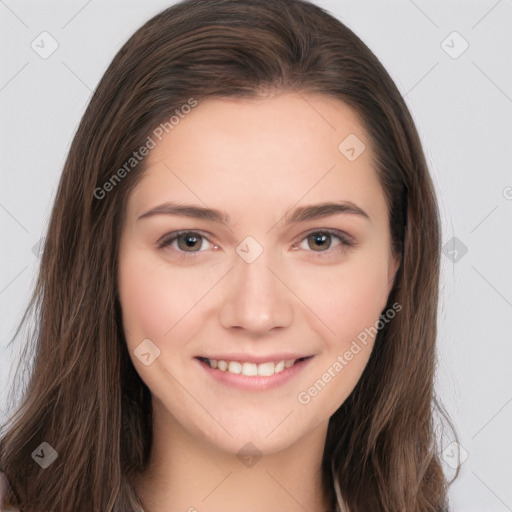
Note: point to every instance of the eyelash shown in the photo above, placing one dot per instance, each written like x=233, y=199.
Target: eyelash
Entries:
x=346, y=242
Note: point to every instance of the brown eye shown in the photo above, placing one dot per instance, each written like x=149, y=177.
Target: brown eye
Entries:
x=319, y=239
x=189, y=241
x=184, y=242
x=326, y=242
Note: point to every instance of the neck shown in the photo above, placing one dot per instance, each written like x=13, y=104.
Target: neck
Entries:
x=188, y=473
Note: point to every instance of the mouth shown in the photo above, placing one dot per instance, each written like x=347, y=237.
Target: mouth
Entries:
x=250, y=369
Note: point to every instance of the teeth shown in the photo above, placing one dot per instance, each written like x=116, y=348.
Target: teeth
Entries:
x=234, y=367
x=266, y=369
x=251, y=369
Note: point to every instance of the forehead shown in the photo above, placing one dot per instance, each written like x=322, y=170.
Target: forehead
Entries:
x=261, y=153
x=288, y=126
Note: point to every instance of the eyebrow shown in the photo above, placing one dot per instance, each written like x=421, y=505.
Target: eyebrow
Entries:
x=300, y=214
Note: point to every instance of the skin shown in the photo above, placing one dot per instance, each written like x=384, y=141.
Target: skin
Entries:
x=256, y=160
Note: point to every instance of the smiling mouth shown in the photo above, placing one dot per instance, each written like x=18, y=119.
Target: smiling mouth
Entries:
x=251, y=369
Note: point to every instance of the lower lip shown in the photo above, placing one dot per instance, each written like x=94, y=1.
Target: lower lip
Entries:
x=256, y=383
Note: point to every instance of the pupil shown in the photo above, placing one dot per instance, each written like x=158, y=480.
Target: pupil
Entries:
x=321, y=238
x=190, y=240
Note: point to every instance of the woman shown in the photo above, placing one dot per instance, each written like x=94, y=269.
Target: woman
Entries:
x=238, y=292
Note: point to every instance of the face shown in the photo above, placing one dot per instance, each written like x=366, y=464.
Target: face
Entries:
x=257, y=270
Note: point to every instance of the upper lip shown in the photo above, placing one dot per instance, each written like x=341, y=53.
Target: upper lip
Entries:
x=247, y=358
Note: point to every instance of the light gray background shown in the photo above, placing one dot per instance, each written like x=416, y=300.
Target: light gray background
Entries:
x=463, y=110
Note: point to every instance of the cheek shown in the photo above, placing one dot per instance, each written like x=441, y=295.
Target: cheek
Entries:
x=154, y=302
x=348, y=301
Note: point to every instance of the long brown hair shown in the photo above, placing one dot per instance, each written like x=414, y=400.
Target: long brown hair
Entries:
x=84, y=397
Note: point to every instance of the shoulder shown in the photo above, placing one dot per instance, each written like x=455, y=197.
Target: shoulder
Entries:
x=7, y=498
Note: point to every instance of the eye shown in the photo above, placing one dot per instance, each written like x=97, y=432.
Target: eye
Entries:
x=321, y=241
x=187, y=241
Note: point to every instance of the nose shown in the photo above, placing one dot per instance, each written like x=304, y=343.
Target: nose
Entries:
x=257, y=298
